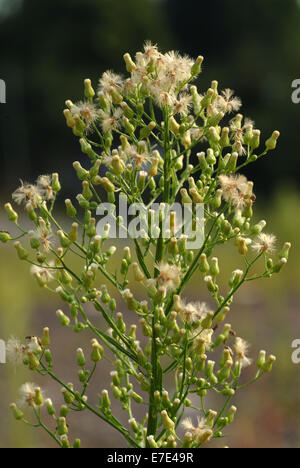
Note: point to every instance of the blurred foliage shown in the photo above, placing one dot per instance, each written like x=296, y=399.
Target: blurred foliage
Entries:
x=47, y=50
x=253, y=48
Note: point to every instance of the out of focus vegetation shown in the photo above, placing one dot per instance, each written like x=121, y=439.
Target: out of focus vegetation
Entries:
x=46, y=50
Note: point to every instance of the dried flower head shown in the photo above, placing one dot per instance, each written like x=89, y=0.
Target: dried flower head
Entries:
x=43, y=236
x=27, y=394
x=235, y=189
x=110, y=80
x=109, y=121
x=169, y=276
x=27, y=193
x=264, y=243
x=200, y=433
x=194, y=311
x=45, y=272
x=227, y=102
x=45, y=188
x=241, y=348
x=15, y=351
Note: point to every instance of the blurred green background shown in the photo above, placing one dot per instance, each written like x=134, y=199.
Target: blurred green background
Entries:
x=46, y=50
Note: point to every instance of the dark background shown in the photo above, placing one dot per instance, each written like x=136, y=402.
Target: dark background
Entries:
x=47, y=48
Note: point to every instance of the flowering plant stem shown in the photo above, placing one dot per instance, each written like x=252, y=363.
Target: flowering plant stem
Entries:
x=139, y=135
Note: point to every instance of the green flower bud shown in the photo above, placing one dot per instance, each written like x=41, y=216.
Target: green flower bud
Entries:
x=137, y=398
x=68, y=396
x=210, y=418
x=88, y=89
x=232, y=162
x=31, y=212
x=85, y=146
x=207, y=322
x=214, y=267
x=202, y=162
x=5, y=237
x=203, y=264
x=64, y=320
x=255, y=141
x=107, y=185
x=173, y=246
x=65, y=441
x=188, y=440
x=103, y=101
x=64, y=411
x=81, y=362
x=64, y=241
x=224, y=140
x=210, y=284
x=225, y=371
x=207, y=99
x=97, y=351
x=151, y=442
x=236, y=278
x=267, y=366
x=69, y=118
x=82, y=174
x=167, y=422
x=137, y=272
x=257, y=229
x=209, y=372
x=216, y=202
x=284, y=253
x=222, y=315
x=56, y=187
x=73, y=236
x=45, y=338
x=117, y=98
x=248, y=209
x=261, y=359
x=197, y=198
x=11, y=214
x=242, y=246
x=23, y=254
x=196, y=67
x=50, y=408
x=278, y=266
x=18, y=415
x=91, y=228
x=116, y=392
x=62, y=428
x=71, y=210
x=77, y=444
x=38, y=397
x=231, y=413
x=185, y=198
x=48, y=357
x=271, y=143
x=86, y=191
x=130, y=65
